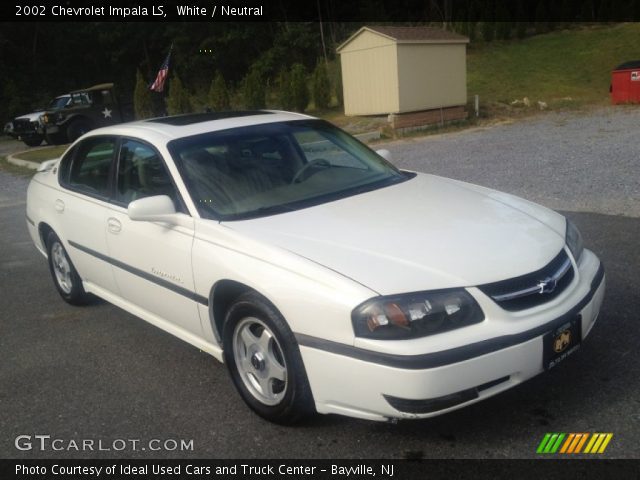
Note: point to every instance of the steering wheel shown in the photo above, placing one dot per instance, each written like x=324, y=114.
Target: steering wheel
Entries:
x=316, y=161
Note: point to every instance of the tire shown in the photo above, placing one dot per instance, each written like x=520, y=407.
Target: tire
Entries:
x=76, y=129
x=64, y=275
x=33, y=140
x=54, y=139
x=264, y=361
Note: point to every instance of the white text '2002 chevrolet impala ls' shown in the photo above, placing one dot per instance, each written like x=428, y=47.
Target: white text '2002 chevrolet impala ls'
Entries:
x=325, y=278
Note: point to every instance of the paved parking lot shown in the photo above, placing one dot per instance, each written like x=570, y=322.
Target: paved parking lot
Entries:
x=98, y=373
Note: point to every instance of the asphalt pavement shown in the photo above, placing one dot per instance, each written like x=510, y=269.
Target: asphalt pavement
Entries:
x=98, y=373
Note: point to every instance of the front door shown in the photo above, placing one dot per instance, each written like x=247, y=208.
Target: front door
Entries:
x=151, y=260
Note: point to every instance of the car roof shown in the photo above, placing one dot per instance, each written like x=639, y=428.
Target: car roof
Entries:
x=165, y=129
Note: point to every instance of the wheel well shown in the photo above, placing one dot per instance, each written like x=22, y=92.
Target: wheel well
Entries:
x=44, y=230
x=223, y=294
x=76, y=118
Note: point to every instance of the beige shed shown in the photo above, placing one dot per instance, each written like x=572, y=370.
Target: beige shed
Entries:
x=390, y=69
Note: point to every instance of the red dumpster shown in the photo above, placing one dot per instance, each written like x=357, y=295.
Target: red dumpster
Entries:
x=625, y=83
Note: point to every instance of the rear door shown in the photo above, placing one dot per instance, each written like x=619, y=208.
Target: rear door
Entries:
x=82, y=205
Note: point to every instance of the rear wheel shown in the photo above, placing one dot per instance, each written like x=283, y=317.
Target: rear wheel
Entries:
x=264, y=361
x=33, y=140
x=76, y=129
x=54, y=138
x=65, y=277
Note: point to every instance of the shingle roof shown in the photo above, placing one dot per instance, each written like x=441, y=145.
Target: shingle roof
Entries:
x=417, y=33
x=410, y=35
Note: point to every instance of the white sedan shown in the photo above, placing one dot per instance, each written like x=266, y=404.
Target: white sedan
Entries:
x=324, y=277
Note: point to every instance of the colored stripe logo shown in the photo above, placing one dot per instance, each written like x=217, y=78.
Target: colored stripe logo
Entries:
x=574, y=443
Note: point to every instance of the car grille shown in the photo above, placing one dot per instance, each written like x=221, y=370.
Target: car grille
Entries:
x=534, y=288
x=23, y=126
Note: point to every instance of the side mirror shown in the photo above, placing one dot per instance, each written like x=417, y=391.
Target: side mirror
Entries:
x=159, y=208
x=384, y=153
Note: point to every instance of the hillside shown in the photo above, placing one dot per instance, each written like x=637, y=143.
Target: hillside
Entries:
x=564, y=68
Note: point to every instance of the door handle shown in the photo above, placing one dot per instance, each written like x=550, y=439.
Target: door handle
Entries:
x=114, y=225
x=58, y=205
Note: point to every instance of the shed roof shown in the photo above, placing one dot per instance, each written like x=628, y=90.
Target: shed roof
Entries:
x=410, y=35
x=628, y=65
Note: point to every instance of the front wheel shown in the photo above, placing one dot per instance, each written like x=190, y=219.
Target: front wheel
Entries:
x=33, y=140
x=65, y=277
x=264, y=361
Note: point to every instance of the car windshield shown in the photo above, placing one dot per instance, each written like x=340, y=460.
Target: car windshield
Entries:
x=58, y=103
x=266, y=169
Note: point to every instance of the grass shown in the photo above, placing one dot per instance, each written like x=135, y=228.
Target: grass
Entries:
x=14, y=169
x=565, y=69
x=42, y=154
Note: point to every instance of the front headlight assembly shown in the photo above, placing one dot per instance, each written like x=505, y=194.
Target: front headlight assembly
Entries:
x=574, y=240
x=415, y=315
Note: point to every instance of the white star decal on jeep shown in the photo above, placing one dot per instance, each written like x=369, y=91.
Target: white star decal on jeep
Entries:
x=106, y=112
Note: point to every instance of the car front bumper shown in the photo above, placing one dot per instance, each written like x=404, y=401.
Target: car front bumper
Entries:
x=375, y=385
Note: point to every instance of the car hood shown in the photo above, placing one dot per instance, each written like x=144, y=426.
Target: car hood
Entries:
x=32, y=117
x=425, y=233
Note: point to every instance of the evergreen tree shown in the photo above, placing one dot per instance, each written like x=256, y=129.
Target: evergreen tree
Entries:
x=254, y=91
x=586, y=11
x=488, y=31
x=542, y=24
x=142, y=101
x=299, y=90
x=521, y=17
x=178, y=99
x=338, y=83
x=321, y=86
x=219, y=94
x=503, y=26
x=283, y=83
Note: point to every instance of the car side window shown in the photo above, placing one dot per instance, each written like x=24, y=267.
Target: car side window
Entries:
x=142, y=173
x=91, y=165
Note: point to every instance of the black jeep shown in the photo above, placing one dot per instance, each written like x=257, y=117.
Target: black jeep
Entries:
x=90, y=108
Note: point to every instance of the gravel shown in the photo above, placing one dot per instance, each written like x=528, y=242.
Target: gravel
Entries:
x=584, y=162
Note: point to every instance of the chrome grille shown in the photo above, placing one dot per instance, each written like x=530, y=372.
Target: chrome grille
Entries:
x=534, y=288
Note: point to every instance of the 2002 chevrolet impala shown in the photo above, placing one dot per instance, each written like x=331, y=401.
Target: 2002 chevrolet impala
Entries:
x=324, y=277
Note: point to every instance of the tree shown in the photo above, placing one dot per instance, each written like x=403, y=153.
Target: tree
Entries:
x=178, y=98
x=253, y=90
x=321, y=86
x=488, y=31
x=542, y=23
x=142, y=101
x=338, y=83
x=285, y=99
x=521, y=25
x=219, y=94
x=299, y=90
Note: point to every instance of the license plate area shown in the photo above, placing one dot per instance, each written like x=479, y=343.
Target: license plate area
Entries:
x=561, y=342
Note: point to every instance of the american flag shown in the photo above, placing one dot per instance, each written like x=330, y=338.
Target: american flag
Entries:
x=161, y=77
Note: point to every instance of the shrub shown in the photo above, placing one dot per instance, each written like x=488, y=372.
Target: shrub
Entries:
x=299, y=90
x=142, y=101
x=253, y=90
x=178, y=98
x=321, y=86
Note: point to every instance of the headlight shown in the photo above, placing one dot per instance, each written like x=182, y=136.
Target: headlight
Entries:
x=415, y=314
x=574, y=240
